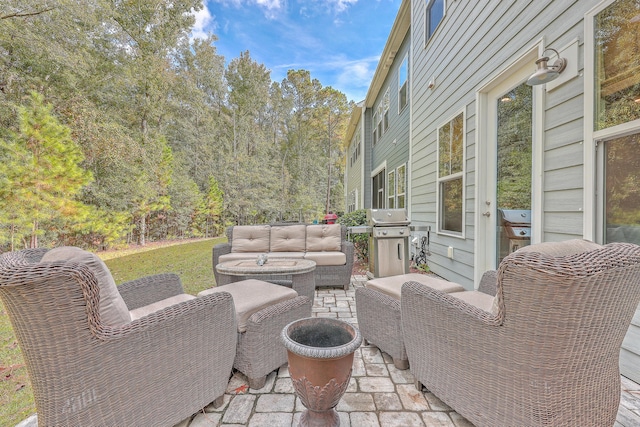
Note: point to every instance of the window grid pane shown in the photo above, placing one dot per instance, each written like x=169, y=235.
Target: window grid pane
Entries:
x=435, y=13
x=450, y=174
x=617, y=65
x=622, y=189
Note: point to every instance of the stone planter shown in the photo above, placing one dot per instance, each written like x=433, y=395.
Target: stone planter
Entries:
x=320, y=353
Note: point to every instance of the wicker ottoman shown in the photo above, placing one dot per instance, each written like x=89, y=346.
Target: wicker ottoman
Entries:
x=378, y=311
x=262, y=310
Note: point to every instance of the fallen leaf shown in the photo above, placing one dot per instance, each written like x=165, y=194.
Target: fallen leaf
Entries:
x=19, y=387
x=13, y=345
x=242, y=389
x=6, y=377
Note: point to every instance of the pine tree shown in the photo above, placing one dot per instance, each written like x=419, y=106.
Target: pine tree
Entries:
x=41, y=174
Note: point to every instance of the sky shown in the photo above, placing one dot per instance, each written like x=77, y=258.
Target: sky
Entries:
x=338, y=41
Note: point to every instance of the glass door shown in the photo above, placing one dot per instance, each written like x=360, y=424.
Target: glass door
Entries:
x=514, y=135
x=621, y=189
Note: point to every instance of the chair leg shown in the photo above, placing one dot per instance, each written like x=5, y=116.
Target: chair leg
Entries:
x=418, y=385
x=401, y=364
x=218, y=402
x=257, y=383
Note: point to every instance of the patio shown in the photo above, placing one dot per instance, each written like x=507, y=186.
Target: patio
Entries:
x=378, y=394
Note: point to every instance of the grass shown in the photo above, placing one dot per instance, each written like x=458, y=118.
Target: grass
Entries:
x=191, y=261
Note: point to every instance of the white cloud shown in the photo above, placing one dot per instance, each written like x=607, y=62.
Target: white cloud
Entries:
x=357, y=74
x=353, y=79
x=270, y=7
x=335, y=6
x=269, y=4
x=342, y=5
x=203, y=18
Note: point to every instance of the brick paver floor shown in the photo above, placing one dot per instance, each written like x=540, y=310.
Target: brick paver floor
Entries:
x=378, y=393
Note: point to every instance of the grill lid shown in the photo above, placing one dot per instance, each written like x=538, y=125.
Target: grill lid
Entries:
x=387, y=217
x=515, y=216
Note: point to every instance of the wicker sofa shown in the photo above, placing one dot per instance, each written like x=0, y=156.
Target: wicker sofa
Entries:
x=115, y=358
x=544, y=351
x=325, y=244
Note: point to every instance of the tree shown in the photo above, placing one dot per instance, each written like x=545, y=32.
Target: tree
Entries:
x=41, y=173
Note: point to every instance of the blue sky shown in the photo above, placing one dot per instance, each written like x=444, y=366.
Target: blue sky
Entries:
x=338, y=41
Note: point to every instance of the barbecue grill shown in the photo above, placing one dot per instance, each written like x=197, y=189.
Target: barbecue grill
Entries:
x=388, y=242
x=515, y=230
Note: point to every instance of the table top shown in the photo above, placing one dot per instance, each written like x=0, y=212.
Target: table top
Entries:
x=245, y=267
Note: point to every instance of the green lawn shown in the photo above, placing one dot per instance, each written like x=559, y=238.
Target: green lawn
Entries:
x=191, y=261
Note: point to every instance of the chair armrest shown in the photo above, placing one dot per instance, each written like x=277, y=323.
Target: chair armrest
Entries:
x=383, y=301
x=219, y=249
x=181, y=315
x=146, y=290
x=189, y=346
x=348, y=249
x=273, y=313
x=489, y=283
x=434, y=300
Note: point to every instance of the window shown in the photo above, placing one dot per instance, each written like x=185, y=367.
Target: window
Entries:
x=434, y=14
x=385, y=106
x=353, y=201
x=401, y=185
x=403, y=85
x=391, y=185
x=616, y=120
x=451, y=175
x=378, y=190
x=622, y=192
x=617, y=65
x=355, y=149
x=375, y=128
x=380, y=121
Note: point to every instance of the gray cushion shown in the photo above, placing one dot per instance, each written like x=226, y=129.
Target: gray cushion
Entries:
x=392, y=285
x=324, y=238
x=251, y=296
x=113, y=310
x=478, y=299
x=288, y=238
x=250, y=238
x=159, y=305
x=327, y=257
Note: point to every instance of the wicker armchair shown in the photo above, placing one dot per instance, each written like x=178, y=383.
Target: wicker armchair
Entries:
x=545, y=353
x=156, y=370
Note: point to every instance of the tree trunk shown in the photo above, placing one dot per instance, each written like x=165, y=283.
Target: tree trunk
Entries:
x=143, y=230
x=34, y=236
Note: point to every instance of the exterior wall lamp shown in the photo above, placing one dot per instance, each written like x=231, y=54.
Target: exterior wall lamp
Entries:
x=545, y=73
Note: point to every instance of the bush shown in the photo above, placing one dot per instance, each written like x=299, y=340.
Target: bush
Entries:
x=360, y=240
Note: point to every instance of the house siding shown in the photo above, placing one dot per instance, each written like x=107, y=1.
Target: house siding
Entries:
x=393, y=146
x=354, y=171
x=463, y=61
x=474, y=47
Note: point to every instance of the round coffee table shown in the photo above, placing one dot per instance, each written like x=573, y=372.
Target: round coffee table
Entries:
x=300, y=270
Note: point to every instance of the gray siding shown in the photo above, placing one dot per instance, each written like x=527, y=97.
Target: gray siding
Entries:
x=495, y=32
x=393, y=145
x=354, y=170
x=629, y=355
x=367, y=139
x=462, y=61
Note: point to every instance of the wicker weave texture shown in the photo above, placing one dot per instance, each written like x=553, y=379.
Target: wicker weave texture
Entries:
x=549, y=357
x=157, y=370
x=260, y=349
x=379, y=322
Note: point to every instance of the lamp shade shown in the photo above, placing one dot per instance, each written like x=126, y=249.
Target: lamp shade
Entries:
x=544, y=73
